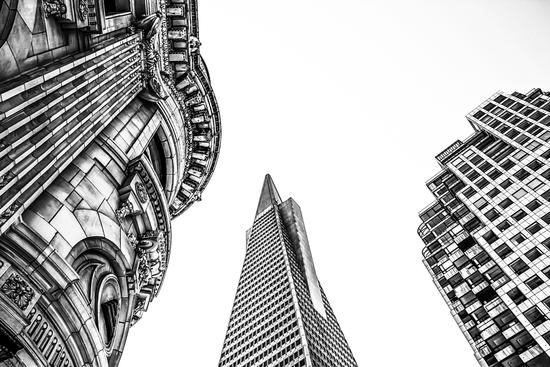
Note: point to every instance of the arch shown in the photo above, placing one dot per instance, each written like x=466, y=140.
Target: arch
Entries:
x=9, y=8
x=103, y=271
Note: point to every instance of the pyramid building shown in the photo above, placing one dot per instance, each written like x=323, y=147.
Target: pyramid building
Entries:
x=281, y=316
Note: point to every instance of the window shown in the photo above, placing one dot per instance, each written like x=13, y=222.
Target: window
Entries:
x=546, y=271
x=546, y=218
x=534, y=183
x=516, y=295
x=520, y=193
x=533, y=254
x=519, y=266
x=469, y=192
x=492, y=214
x=534, y=316
x=494, y=192
x=519, y=215
x=480, y=203
x=503, y=251
x=482, y=183
x=533, y=205
x=507, y=183
x=518, y=239
x=502, y=226
x=534, y=282
x=534, y=228
x=485, y=166
x=505, y=203
x=116, y=6
x=494, y=174
x=535, y=165
x=490, y=237
x=521, y=174
x=507, y=164
x=473, y=175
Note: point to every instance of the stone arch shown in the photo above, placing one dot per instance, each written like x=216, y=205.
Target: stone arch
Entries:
x=103, y=271
x=9, y=8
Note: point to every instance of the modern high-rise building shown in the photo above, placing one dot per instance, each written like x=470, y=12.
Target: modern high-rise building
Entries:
x=109, y=130
x=281, y=316
x=487, y=234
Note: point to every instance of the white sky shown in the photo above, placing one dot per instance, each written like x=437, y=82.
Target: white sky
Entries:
x=345, y=103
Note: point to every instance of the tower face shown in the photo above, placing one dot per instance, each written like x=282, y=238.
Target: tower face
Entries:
x=280, y=316
x=487, y=236
x=109, y=129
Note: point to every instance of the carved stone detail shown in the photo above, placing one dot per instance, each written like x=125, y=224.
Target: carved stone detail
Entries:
x=54, y=8
x=18, y=291
x=83, y=10
x=139, y=308
x=150, y=43
x=141, y=192
x=194, y=45
x=126, y=208
x=9, y=212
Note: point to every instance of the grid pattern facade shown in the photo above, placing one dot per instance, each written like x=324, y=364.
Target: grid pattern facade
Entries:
x=274, y=322
x=487, y=240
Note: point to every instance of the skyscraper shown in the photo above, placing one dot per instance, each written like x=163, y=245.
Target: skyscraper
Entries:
x=487, y=240
x=281, y=316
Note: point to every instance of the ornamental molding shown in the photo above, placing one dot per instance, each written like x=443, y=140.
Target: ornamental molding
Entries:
x=182, y=73
x=18, y=291
x=54, y=8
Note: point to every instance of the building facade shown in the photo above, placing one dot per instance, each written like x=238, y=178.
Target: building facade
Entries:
x=109, y=129
x=281, y=316
x=487, y=234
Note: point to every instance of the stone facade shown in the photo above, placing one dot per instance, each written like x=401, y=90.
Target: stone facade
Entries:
x=108, y=130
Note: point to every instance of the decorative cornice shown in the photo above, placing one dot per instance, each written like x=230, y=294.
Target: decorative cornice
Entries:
x=186, y=75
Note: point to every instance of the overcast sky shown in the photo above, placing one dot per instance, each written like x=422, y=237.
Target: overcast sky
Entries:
x=345, y=103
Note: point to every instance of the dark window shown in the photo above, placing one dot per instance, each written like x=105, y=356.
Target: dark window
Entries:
x=494, y=192
x=116, y=6
x=534, y=228
x=505, y=203
x=519, y=215
x=535, y=165
x=534, y=282
x=469, y=192
x=521, y=174
x=516, y=295
x=503, y=225
x=533, y=205
x=490, y=237
x=534, y=316
x=494, y=174
x=492, y=214
x=503, y=250
x=507, y=183
x=482, y=183
x=533, y=254
x=507, y=164
x=546, y=218
x=517, y=239
x=519, y=266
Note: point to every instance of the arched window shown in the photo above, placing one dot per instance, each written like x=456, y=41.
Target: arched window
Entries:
x=157, y=157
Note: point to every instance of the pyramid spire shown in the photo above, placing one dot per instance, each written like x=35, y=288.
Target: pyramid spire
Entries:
x=269, y=196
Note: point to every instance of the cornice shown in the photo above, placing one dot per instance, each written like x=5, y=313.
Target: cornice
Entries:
x=187, y=77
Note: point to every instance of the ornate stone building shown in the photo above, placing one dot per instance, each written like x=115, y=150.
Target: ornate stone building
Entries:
x=108, y=130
